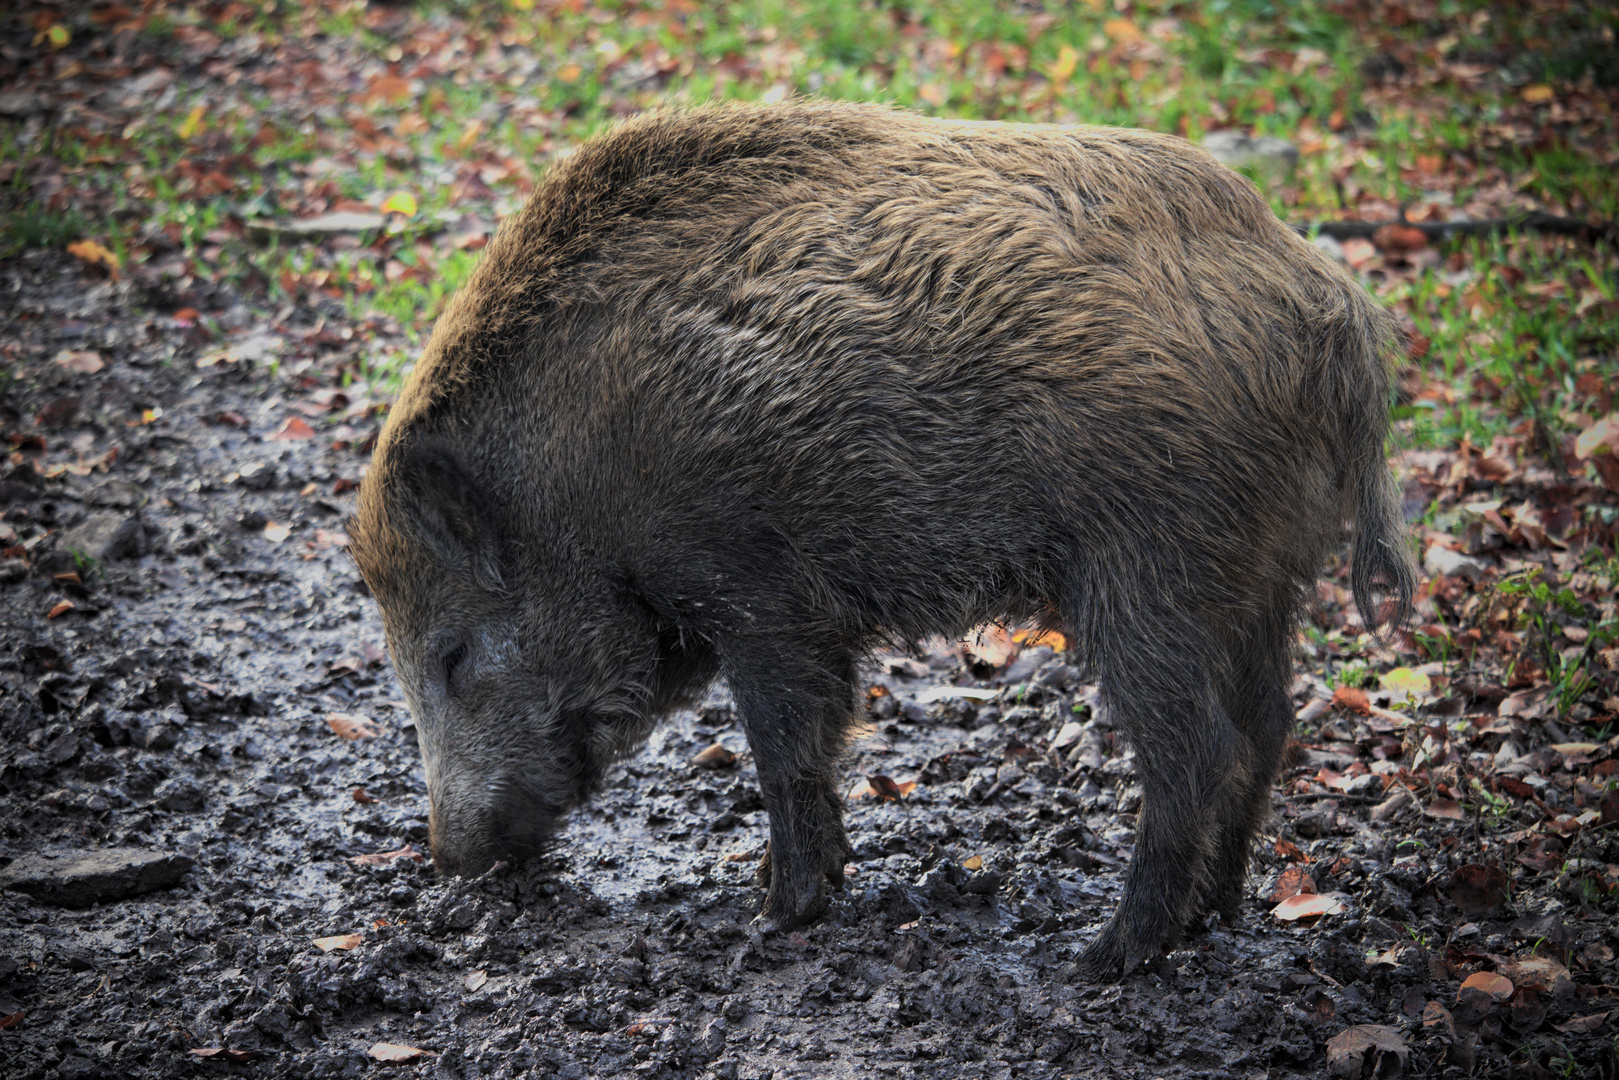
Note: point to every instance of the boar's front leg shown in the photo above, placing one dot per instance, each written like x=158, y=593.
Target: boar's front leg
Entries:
x=796, y=703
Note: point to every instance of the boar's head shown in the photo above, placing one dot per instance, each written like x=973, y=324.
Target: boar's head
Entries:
x=519, y=665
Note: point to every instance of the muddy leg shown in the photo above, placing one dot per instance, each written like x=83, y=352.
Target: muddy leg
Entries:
x=1258, y=703
x=1190, y=759
x=796, y=714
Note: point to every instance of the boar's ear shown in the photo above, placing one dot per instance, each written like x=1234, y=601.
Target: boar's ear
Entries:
x=448, y=511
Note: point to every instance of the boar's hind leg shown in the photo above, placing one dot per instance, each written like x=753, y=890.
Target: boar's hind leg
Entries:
x=1156, y=683
x=1259, y=704
x=796, y=712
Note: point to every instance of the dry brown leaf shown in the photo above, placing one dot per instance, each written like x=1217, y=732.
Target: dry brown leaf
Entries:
x=715, y=757
x=1446, y=809
x=338, y=941
x=94, y=253
x=1352, y=698
x=1033, y=639
x=1294, y=881
x=1496, y=986
x=62, y=608
x=83, y=361
x=991, y=646
x=1347, y=1051
x=1534, y=973
x=1307, y=906
x=294, y=428
x=1580, y=1025
x=973, y=862
x=886, y=789
x=378, y=858
x=1287, y=849
x=242, y=1056
x=352, y=725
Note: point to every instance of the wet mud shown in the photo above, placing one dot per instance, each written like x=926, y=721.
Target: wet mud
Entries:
x=203, y=876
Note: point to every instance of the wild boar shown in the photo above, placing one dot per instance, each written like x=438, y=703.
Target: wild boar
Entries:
x=742, y=392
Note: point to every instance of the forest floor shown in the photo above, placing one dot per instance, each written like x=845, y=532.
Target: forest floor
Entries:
x=212, y=813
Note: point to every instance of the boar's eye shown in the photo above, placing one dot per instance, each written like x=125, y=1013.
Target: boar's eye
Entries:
x=452, y=660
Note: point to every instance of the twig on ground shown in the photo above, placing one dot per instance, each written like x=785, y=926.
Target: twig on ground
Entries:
x=1535, y=221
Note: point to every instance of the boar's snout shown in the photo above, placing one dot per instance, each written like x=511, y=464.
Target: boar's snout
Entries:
x=503, y=821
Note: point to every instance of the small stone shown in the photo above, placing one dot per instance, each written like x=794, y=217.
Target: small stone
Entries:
x=1264, y=154
x=1331, y=246
x=106, y=536
x=82, y=879
x=1441, y=561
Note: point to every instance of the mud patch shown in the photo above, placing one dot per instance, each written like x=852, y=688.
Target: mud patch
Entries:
x=180, y=709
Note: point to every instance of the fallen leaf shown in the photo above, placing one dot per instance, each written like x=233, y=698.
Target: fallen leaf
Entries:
x=1536, y=93
x=1540, y=973
x=1067, y=735
x=1399, y=239
x=84, y=361
x=380, y=858
x=389, y=88
x=94, y=253
x=242, y=1056
x=339, y=941
x=395, y=1052
x=991, y=647
x=476, y=979
x=1306, y=906
x=1294, y=881
x=1329, y=779
x=400, y=202
x=1404, y=682
x=956, y=693
x=294, y=428
x=1603, y=433
x=1580, y=1025
x=1447, y=809
x=1067, y=61
x=61, y=608
x=12, y=1020
x=885, y=788
x=353, y=725
x=1348, y=1050
x=715, y=757
x=1498, y=987
x=276, y=533
x=973, y=862
x=360, y=796
x=193, y=121
x=1122, y=30
x=1287, y=849
x=1358, y=252
x=1033, y=639
x=1349, y=697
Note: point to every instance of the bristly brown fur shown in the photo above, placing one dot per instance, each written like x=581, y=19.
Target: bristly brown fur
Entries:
x=744, y=390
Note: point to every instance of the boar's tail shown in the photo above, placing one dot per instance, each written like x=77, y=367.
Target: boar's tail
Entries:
x=1381, y=575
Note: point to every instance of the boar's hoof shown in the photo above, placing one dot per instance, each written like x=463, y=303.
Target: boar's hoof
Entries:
x=797, y=894
x=1110, y=958
x=834, y=868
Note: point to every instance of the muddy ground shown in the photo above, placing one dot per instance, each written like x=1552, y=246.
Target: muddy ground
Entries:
x=177, y=718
